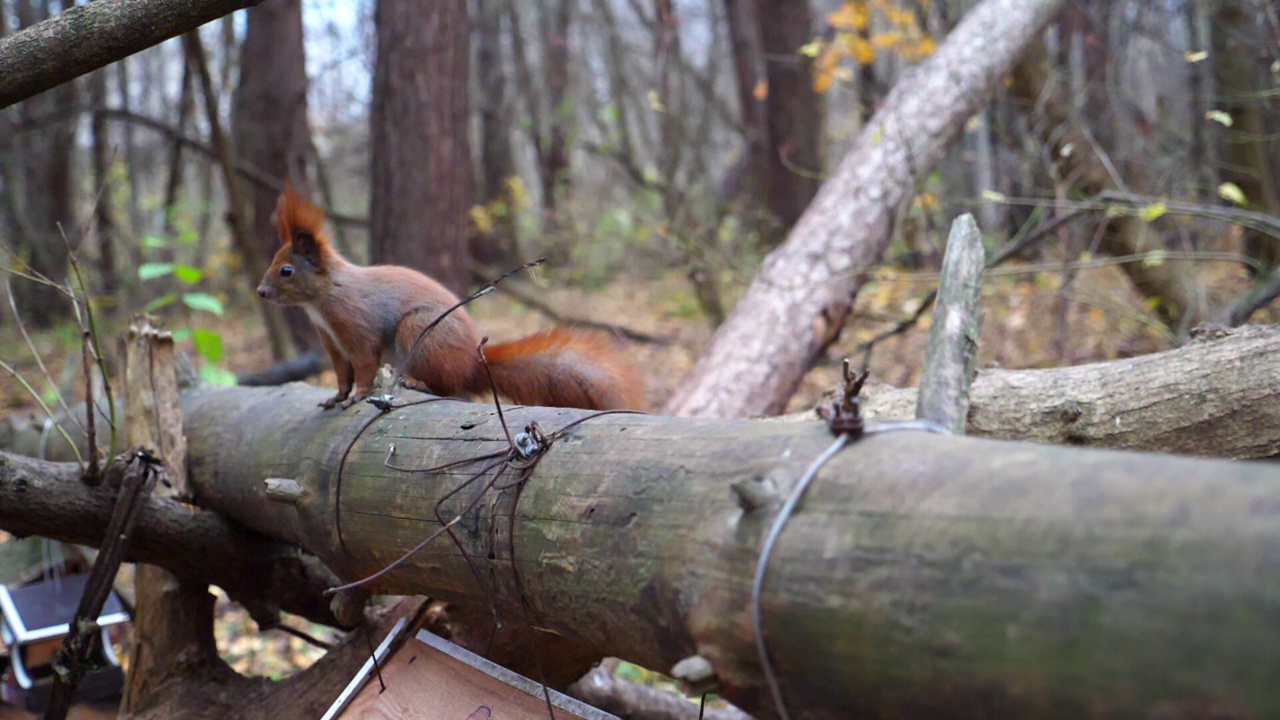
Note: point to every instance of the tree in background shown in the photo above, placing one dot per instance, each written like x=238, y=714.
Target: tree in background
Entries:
x=421, y=177
x=269, y=121
x=39, y=184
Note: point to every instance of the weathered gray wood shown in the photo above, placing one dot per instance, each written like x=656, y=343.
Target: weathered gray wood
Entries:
x=924, y=576
x=801, y=297
x=86, y=37
x=953, y=338
x=1216, y=396
x=47, y=498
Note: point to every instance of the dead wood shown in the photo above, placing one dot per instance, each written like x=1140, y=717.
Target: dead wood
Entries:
x=1214, y=397
x=86, y=37
x=922, y=576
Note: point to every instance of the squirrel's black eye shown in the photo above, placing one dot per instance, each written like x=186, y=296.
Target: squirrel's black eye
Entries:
x=286, y=270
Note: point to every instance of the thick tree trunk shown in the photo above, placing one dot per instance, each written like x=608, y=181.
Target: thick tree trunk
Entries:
x=89, y=36
x=269, y=124
x=917, y=563
x=798, y=302
x=497, y=247
x=422, y=186
x=793, y=164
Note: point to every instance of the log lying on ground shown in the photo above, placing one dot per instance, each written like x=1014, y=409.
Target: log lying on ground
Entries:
x=1216, y=397
x=48, y=499
x=922, y=576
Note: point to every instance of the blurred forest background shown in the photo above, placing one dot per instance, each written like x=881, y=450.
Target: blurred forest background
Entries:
x=655, y=151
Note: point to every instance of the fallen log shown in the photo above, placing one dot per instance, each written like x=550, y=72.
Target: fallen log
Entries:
x=1216, y=396
x=922, y=577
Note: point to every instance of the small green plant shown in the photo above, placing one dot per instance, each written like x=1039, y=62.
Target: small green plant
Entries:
x=207, y=342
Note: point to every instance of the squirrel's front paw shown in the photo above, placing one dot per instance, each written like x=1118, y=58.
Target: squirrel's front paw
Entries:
x=355, y=398
x=328, y=404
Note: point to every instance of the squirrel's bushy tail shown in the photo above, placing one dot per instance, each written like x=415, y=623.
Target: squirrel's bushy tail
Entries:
x=562, y=368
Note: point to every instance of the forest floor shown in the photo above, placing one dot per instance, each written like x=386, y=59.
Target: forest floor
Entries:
x=1032, y=319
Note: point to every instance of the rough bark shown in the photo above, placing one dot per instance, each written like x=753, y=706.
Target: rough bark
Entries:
x=1213, y=397
x=1239, y=74
x=977, y=579
x=793, y=111
x=42, y=186
x=422, y=186
x=801, y=297
x=269, y=124
x=89, y=36
x=949, y=360
x=48, y=498
x=498, y=246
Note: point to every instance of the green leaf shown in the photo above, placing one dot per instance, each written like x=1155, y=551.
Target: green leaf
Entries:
x=217, y=376
x=153, y=242
x=181, y=334
x=208, y=343
x=188, y=236
x=1153, y=212
x=188, y=274
x=160, y=302
x=203, y=301
x=151, y=271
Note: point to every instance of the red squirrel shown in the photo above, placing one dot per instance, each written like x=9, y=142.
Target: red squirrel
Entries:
x=362, y=312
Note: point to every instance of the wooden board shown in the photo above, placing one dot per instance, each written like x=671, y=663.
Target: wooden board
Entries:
x=430, y=678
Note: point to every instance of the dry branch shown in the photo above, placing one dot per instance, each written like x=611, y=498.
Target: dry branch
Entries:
x=48, y=499
x=1214, y=397
x=924, y=575
x=799, y=301
x=86, y=37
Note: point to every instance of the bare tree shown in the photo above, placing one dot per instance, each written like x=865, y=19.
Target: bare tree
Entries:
x=421, y=188
x=497, y=156
x=269, y=121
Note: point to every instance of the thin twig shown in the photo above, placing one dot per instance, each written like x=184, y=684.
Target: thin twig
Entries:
x=44, y=371
x=40, y=401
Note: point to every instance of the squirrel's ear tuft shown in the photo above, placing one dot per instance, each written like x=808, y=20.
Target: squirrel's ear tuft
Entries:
x=295, y=217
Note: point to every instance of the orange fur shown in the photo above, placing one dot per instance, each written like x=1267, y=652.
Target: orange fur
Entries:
x=362, y=313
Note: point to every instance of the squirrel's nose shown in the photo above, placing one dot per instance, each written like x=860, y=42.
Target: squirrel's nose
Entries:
x=263, y=291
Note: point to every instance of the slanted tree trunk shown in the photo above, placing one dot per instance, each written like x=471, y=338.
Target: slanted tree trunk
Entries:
x=799, y=300
x=269, y=123
x=86, y=37
x=422, y=187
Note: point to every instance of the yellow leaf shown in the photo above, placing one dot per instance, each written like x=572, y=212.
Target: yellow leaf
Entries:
x=993, y=196
x=1231, y=191
x=761, y=90
x=886, y=39
x=853, y=15
x=927, y=201
x=899, y=17
x=481, y=218
x=1151, y=304
x=1195, y=56
x=1153, y=212
x=824, y=70
x=1086, y=256
x=811, y=49
x=858, y=47
x=1218, y=116
x=655, y=102
x=517, y=192
x=1153, y=258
